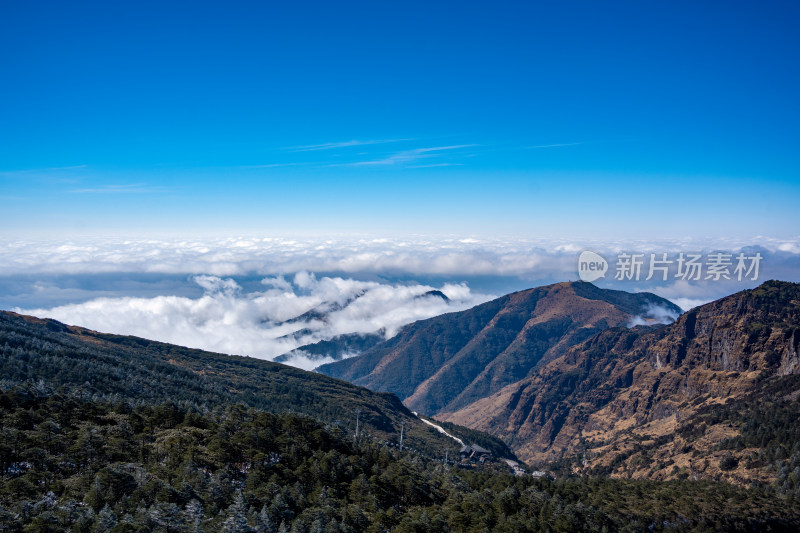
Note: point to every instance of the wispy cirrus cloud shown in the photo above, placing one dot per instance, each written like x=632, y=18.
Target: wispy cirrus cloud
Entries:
x=273, y=165
x=25, y=171
x=556, y=145
x=407, y=156
x=432, y=165
x=344, y=144
x=127, y=188
x=369, y=157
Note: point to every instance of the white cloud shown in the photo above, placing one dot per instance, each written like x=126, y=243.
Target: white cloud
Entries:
x=561, y=145
x=689, y=303
x=235, y=295
x=407, y=156
x=343, y=144
x=278, y=282
x=689, y=294
x=5, y=173
x=790, y=247
x=275, y=256
x=127, y=188
x=226, y=319
x=214, y=285
x=655, y=314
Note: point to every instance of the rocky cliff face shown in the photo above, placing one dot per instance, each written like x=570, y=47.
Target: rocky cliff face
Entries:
x=448, y=362
x=625, y=392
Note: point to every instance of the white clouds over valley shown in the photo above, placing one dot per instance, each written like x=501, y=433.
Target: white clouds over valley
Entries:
x=265, y=323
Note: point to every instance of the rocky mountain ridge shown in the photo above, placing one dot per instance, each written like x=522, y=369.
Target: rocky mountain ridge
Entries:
x=627, y=397
x=448, y=362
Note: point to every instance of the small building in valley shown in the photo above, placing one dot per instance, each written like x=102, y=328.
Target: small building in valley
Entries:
x=475, y=453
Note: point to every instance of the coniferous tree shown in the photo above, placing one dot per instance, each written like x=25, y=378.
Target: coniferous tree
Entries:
x=236, y=516
x=317, y=526
x=106, y=520
x=194, y=516
x=299, y=526
x=264, y=522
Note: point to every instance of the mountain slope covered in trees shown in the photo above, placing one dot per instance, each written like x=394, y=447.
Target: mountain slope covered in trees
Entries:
x=102, y=433
x=113, y=367
x=76, y=464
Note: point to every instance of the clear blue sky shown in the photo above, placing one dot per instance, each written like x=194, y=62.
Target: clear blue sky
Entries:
x=630, y=119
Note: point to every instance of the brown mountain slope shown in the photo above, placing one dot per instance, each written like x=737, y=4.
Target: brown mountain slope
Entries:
x=447, y=362
x=631, y=401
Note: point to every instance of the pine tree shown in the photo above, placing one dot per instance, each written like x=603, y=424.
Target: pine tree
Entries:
x=106, y=520
x=280, y=509
x=333, y=526
x=165, y=516
x=318, y=526
x=127, y=519
x=323, y=498
x=298, y=526
x=194, y=516
x=299, y=495
x=264, y=522
x=236, y=521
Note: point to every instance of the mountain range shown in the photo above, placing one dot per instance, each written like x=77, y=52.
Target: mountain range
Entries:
x=587, y=380
x=647, y=402
x=450, y=361
x=639, y=425
x=337, y=348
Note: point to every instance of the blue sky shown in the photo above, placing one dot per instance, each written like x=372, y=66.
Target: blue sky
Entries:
x=537, y=119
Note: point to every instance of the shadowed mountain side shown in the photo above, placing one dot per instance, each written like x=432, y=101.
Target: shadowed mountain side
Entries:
x=113, y=368
x=337, y=348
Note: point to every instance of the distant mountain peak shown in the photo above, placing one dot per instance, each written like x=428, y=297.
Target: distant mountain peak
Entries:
x=435, y=293
x=336, y=348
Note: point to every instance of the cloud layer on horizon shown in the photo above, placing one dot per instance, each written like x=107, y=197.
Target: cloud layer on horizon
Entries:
x=417, y=256
x=235, y=295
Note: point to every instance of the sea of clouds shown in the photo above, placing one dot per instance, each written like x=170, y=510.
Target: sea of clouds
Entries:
x=243, y=295
x=269, y=322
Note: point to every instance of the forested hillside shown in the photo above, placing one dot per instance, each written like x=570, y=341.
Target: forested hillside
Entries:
x=100, y=433
x=112, y=367
x=71, y=464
